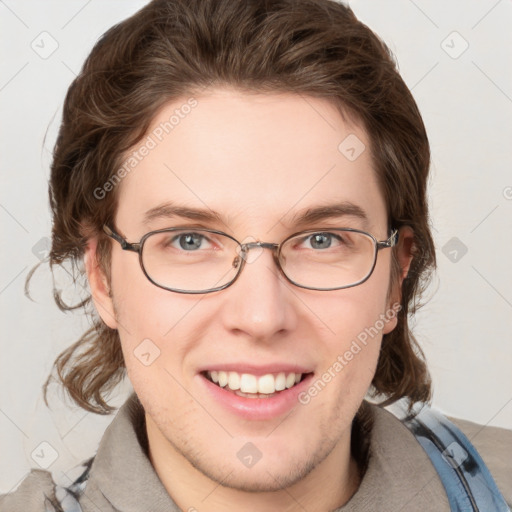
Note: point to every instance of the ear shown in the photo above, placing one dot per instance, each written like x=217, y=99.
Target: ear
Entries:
x=98, y=283
x=404, y=252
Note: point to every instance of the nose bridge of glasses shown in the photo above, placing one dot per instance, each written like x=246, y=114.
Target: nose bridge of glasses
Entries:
x=245, y=248
x=264, y=245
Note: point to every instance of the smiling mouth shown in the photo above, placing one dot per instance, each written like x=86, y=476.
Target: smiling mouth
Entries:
x=253, y=386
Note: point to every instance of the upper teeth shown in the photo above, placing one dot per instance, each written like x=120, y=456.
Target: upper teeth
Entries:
x=248, y=383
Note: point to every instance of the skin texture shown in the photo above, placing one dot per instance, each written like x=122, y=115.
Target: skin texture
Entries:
x=257, y=160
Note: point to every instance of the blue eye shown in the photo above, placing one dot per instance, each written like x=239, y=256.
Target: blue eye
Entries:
x=189, y=242
x=323, y=240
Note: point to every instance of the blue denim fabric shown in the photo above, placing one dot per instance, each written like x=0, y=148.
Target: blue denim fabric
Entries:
x=469, y=485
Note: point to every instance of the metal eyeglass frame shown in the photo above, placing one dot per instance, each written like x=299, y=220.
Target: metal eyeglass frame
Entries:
x=244, y=248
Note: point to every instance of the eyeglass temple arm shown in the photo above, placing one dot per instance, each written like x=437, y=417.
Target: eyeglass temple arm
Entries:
x=126, y=246
x=390, y=242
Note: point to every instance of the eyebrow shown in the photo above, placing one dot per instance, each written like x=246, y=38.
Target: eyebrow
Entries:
x=305, y=216
x=169, y=210
x=330, y=211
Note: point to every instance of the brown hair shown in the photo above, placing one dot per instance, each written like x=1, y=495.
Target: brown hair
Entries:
x=174, y=48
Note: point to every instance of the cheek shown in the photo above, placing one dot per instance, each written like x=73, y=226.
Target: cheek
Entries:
x=355, y=311
x=353, y=322
x=143, y=309
x=152, y=324
x=348, y=357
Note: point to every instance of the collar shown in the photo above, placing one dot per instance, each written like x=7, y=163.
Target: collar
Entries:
x=399, y=474
x=122, y=475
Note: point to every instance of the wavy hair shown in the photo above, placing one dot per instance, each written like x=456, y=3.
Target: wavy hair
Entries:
x=175, y=48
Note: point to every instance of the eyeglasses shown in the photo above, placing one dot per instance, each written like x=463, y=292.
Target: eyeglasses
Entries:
x=190, y=260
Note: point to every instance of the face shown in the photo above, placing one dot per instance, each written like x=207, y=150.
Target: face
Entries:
x=259, y=161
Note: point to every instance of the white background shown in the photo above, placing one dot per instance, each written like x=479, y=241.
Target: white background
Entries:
x=466, y=102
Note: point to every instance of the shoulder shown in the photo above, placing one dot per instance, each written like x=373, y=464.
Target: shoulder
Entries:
x=494, y=444
x=473, y=461
x=38, y=492
x=34, y=494
x=398, y=470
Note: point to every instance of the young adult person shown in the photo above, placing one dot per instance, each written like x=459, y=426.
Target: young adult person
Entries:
x=245, y=184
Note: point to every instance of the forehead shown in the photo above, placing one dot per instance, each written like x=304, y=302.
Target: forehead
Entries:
x=257, y=161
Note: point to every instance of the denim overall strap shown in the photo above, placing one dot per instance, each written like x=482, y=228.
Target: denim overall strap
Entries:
x=469, y=485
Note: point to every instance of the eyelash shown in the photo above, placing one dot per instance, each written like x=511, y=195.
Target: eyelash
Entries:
x=333, y=236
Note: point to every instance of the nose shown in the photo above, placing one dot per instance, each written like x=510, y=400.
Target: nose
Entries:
x=259, y=303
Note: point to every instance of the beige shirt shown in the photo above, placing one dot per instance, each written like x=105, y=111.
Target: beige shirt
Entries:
x=399, y=475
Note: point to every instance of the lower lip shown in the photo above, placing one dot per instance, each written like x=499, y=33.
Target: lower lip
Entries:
x=257, y=408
